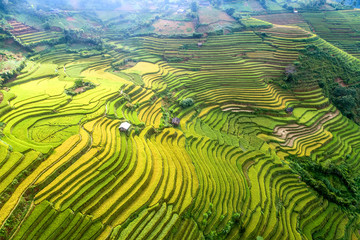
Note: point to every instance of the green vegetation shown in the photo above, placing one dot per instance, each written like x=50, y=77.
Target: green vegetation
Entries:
x=187, y=102
x=337, y=76
x=253, y=23
x=334, y=182
x=340, y=28
x=79, y=87
x=211, y=124
x=10, y=65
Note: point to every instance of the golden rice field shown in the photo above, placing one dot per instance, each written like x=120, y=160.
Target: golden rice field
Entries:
x=67, y=172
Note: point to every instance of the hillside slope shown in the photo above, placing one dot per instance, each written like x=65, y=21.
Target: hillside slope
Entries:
x=249, y=158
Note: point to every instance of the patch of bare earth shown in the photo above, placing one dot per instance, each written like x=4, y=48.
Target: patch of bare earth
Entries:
x=168, y=27
x=79, y=90
x=1, y=97
x=341, y=82
x=70, y=19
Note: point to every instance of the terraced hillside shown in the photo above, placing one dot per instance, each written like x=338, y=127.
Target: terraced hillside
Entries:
x=340, y=28
x=234, y=168
x=31, y=36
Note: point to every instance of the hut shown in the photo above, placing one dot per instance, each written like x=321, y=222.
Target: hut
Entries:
x=175, y=121
x=289, y=110
x=124, y=127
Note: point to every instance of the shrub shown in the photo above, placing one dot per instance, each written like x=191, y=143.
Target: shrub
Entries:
x=78, y=83
x=230, y=11
x=137, y=130
x=187, y=102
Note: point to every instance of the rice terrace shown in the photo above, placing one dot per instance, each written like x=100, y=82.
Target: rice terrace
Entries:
x=195, y=119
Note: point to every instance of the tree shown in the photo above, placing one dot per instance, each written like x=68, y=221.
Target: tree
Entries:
x=194, y=7
x=339, y=91
x=345, y=103
x=78, y=83
x=46, y=26
x=187, y=102
x=230, y=11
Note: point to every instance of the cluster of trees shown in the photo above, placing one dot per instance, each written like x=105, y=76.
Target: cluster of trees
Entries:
x=234, y=222
x=347, y=99
x=230, y=11
x=187, y=102
x=79, y=83
x=332, y=181
x=76, y=36
x=4, y=77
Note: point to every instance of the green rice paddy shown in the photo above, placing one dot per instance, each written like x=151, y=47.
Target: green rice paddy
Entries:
x=223, y=173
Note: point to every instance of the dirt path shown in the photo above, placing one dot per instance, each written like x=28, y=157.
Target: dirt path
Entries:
x=341, y=82
x=1, y=97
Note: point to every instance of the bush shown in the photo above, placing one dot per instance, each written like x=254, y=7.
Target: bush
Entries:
x=230, y=11
x=187, y=102
x=46, y=26
x=197, y=35
x=78, y=83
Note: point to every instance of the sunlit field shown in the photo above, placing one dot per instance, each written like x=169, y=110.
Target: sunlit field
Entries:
x=179, y=120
